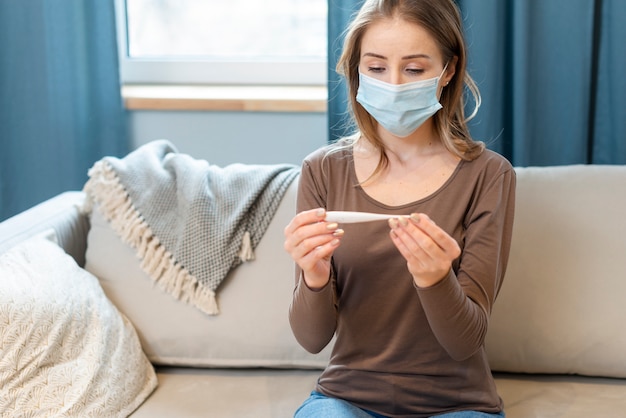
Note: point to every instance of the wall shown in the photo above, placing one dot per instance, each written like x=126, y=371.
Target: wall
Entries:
x=223, y=138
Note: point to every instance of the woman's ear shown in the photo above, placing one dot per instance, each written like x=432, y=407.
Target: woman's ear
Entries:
x=450, y=70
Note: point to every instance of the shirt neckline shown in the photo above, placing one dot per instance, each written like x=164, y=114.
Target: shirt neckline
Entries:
x=355, y=180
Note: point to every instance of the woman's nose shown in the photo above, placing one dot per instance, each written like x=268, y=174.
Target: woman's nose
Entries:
x=396, y=78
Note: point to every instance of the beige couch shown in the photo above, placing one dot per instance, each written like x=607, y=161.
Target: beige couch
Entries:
x=555, y=342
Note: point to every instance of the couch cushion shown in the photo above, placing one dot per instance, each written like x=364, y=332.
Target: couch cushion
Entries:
x=64, y=348
x=194, y=393
x=240, y=393
x=561, y=306
x=555, y=396
x=252, y=329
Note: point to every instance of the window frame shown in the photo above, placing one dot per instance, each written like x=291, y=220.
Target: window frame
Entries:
x=212, y=72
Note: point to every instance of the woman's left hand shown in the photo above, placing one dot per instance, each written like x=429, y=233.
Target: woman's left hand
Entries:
x=428, y=249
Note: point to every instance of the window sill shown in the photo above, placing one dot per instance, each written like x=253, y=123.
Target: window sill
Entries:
x=226, y=98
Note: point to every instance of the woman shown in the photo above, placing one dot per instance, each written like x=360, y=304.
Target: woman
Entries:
x=408, y=300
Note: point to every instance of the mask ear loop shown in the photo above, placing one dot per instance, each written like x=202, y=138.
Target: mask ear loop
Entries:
x=445, y=67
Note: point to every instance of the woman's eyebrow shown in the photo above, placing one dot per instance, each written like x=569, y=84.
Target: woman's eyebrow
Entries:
x=413, y=56
x=406, y=57
x=374, y=55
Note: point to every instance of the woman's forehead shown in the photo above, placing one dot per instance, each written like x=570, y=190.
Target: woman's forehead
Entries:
x=396, y=37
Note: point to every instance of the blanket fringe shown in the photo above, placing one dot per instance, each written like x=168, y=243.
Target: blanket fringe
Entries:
x=246, y=253
x=156, y=261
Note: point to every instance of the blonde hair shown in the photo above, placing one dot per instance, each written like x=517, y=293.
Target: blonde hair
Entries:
x=442, y=19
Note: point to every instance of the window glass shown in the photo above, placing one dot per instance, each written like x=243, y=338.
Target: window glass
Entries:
x=228, y=32
x=265, y=29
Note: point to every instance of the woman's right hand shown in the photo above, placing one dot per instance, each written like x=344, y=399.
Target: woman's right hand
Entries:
x=310, y=241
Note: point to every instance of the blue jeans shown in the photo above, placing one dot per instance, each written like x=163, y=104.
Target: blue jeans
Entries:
x=319, y=405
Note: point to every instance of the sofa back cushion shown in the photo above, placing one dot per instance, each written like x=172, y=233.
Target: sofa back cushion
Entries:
x=561, y=307
x=252, y=328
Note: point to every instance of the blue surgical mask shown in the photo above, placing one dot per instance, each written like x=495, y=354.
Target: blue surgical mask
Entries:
x=399, y=108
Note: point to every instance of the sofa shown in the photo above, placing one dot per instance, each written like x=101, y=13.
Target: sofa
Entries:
x=555, y=342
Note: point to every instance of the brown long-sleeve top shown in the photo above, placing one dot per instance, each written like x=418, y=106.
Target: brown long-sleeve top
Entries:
x=400, y=350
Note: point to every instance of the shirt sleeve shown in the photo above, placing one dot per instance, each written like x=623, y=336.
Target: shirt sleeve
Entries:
x=312, y=313
x=458, y=307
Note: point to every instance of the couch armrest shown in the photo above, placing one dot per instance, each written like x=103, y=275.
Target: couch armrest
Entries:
x=62, y=213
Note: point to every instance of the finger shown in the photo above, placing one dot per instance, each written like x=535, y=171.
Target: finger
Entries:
x=426, y=261
x=294, y=237
x=302, y=248
x=304, y=225
x=307, y=231
x=321, y=252
x=412, y=242
x=304, y=218
x=315, y=263
x=404, y=248
x=438, y=236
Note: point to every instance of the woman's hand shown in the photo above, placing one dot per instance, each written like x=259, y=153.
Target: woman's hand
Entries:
x=428, y=249
x=310, y=241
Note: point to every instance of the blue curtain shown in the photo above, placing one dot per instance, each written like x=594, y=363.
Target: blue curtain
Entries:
x=551, y=77
x=60, y=104
x=340, y=13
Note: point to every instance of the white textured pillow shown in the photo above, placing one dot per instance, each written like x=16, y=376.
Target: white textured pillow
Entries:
x=252, y=329
x=65, y=350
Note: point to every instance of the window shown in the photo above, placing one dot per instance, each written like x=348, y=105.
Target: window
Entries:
x=276, y=42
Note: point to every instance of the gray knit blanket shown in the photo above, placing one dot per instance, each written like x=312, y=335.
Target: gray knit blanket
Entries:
x=190, y=222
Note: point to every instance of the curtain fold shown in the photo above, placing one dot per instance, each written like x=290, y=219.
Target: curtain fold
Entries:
x=544, y=69
x=549, y=75
x=60, y=103
x=609, y=133
x=340, y=12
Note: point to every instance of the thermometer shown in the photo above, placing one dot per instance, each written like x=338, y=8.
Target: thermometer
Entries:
x=354, y=217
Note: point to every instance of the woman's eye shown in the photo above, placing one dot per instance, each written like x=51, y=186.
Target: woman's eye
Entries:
x=415, y=71
x=376, y=69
